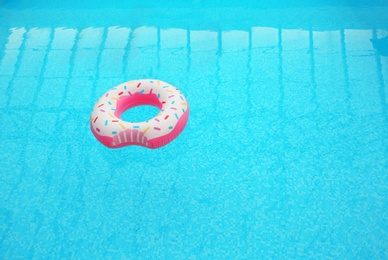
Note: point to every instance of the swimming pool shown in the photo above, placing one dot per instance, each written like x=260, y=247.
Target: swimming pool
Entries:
x=284, y=155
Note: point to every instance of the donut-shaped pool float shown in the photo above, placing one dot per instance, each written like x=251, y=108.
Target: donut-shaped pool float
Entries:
x=108, y=127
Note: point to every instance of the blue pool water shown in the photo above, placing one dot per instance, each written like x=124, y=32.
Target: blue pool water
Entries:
x=284, y=155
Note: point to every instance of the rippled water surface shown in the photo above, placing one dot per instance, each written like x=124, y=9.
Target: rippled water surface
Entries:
x=284, y=155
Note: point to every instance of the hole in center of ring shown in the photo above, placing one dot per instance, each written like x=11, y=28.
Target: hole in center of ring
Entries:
x=140, y=113
x=138, y=108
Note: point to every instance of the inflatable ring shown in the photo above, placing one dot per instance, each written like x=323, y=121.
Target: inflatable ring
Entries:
x=110, y=130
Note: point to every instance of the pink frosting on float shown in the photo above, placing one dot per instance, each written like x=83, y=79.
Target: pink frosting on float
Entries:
x=113, y=132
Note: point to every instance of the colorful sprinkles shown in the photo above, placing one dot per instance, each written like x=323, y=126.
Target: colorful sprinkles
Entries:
x=145, y=131
x=107, y=124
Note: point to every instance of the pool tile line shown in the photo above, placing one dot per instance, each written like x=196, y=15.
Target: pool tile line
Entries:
x=127, y=50
x=280, y=75
x=97, y=66
x=248, y=80
x=7, y=33
x=158, y=48
x=312, y=70
x=381, y=87
x=21, y=49
x=43, y=68
x=188, y=47
x=71, y=67
x=218, y=69
x=345, y=71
